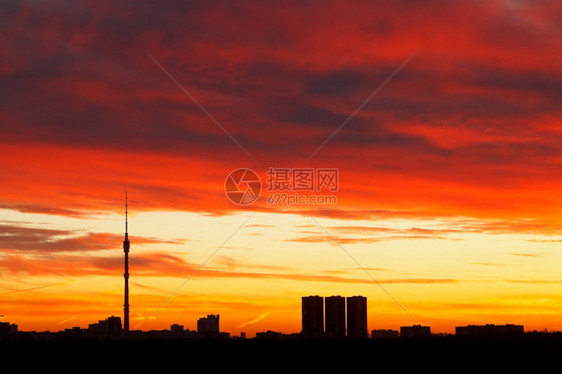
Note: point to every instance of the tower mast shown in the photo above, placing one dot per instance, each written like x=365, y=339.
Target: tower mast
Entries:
x=126, y=246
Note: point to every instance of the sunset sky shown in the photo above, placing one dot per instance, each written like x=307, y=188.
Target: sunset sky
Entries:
x=442, y=117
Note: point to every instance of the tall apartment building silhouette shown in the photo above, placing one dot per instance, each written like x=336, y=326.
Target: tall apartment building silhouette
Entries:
x=312, y=314
x=357, y=317
x=332, y=310
x=335, y=316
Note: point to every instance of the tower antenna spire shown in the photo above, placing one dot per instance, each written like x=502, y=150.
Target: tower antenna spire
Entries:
x=126, y=246
x=126, y=212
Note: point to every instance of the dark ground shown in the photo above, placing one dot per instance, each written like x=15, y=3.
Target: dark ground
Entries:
x=534, y=352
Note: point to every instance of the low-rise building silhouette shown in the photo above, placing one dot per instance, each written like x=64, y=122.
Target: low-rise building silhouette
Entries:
x=375, y=334
x=415, y=331
x=208, y=327
x=8, y=331
x=488, y=329
x=176, y=330
x=7, y=328
x=208, y=324
x=269, y=335
x=109, y=328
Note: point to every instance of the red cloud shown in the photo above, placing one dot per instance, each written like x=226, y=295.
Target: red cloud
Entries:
x=469, y=127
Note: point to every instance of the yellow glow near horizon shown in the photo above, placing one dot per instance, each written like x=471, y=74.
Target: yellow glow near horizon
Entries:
x=256, y=279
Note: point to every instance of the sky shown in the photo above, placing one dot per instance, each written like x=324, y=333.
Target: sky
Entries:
x=442, y=119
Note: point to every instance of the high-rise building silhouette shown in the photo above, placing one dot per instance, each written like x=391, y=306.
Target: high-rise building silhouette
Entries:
x=126, y=246
x=357, y=317
x=335, y=316
x=312, y=314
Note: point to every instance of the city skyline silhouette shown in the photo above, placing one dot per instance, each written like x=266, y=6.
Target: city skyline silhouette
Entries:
x=333, y=317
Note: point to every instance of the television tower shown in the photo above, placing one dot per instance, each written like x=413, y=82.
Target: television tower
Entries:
x=126, y=246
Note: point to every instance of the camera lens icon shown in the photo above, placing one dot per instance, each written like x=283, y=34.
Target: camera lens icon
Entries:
x=242, y=186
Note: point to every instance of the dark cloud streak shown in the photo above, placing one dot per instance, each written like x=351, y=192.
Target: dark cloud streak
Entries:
x=38, y=240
